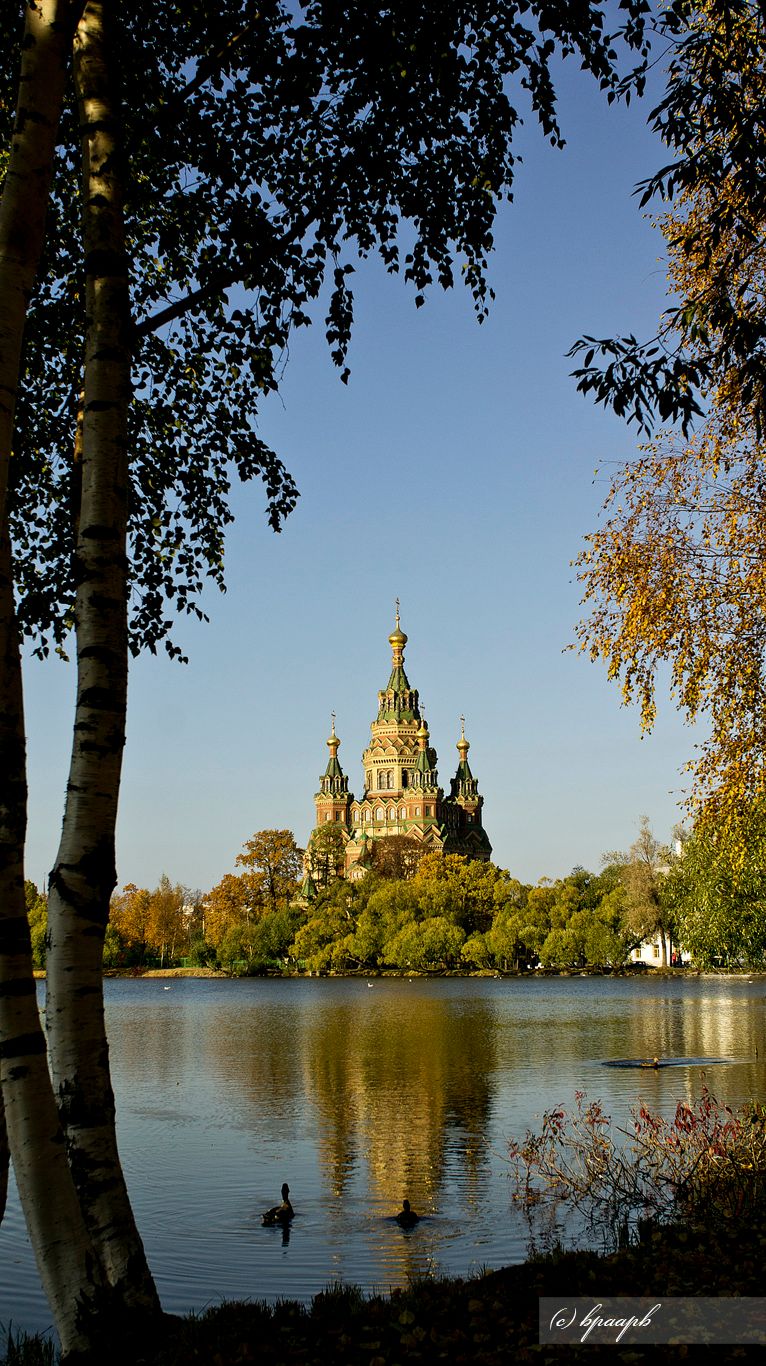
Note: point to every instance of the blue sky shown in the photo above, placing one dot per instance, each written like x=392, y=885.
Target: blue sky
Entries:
x=455, y=471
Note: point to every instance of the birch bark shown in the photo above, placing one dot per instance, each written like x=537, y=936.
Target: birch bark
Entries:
x=69, y=1273
x=62, y=1247
x=84, y=874
x=45, y=60
x=5, y=1158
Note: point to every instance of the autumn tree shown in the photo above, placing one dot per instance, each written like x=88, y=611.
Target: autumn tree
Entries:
x=711, y=121
x=273, y=862
x=643, y=871
x=167, y=919
x=226, y=906
x=673, y=576
x=129, y=916
x=249, y=918
x=231, y=910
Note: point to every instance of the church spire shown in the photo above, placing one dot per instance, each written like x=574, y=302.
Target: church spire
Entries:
x=425, y=774
x=462, y=747
x=399, y=702
x=333, y=779
x=397, y=640
x=464, y=784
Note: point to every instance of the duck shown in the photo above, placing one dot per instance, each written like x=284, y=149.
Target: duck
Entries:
x=280, y=1214
x=406, y=1218
x=654, y=1063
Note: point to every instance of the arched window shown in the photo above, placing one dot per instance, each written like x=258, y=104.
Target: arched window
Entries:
x=390, y=777
x=367, y=814
x=417, y=810
x=356, y=818
x=392, y=813
x=380, y=814
x=405, y=777
x=403, y=814
x=426, y=810
x=381, y=780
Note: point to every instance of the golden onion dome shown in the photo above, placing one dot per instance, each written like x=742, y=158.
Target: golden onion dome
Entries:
x=397, y=639
x=333, y=739
x=462, y=745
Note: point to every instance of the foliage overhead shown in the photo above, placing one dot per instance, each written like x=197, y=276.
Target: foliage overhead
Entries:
x=712, y=120
x=267, y=148
x=674, y=574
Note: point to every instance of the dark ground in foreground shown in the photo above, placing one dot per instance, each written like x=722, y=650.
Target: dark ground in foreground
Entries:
x=484, y=1321
x=490, y=1320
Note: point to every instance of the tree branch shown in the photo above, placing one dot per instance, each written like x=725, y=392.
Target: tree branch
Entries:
x=166, y=315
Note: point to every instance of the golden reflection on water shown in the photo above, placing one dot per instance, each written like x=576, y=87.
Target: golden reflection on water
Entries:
x=390, y=1085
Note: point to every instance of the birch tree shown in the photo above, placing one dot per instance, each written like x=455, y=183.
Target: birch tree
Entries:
x=84, y=874
x=711, y=119
x=69, y=1272
x=673, y=576
x=265, y=150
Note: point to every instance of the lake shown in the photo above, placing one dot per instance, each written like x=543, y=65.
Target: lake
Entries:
x=359, y=1095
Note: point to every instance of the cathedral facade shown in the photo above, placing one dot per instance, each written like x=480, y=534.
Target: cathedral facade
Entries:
x=401, y=793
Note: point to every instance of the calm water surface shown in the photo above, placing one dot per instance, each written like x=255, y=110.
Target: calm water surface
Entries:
x=359, y=1095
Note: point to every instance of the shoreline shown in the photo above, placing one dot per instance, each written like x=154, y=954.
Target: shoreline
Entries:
x=645, y=973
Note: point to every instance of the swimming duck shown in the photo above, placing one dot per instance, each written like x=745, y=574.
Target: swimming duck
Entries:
x=407, y=1218
x=654, y=1063
x=280, y=1214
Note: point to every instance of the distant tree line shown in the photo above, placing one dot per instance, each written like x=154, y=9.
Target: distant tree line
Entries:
x=416, y=911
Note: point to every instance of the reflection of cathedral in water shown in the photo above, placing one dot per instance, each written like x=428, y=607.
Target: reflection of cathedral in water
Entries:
x=401, y=793
x=398, y=1098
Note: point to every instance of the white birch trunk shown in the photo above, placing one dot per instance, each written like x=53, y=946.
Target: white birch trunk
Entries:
x=68, y=1270
x=5, y=1157
x=23, y=207
x=84, y=875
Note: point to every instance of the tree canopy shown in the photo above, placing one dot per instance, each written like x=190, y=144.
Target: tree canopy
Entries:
x=265, y=147
x=674, y=573
x=711, y=119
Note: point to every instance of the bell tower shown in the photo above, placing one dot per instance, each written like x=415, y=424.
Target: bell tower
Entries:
x=333, y=798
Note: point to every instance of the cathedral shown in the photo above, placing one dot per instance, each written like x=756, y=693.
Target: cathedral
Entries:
x=401, y=794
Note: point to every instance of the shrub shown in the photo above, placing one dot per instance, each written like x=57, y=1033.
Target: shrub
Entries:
x=707, y=1162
